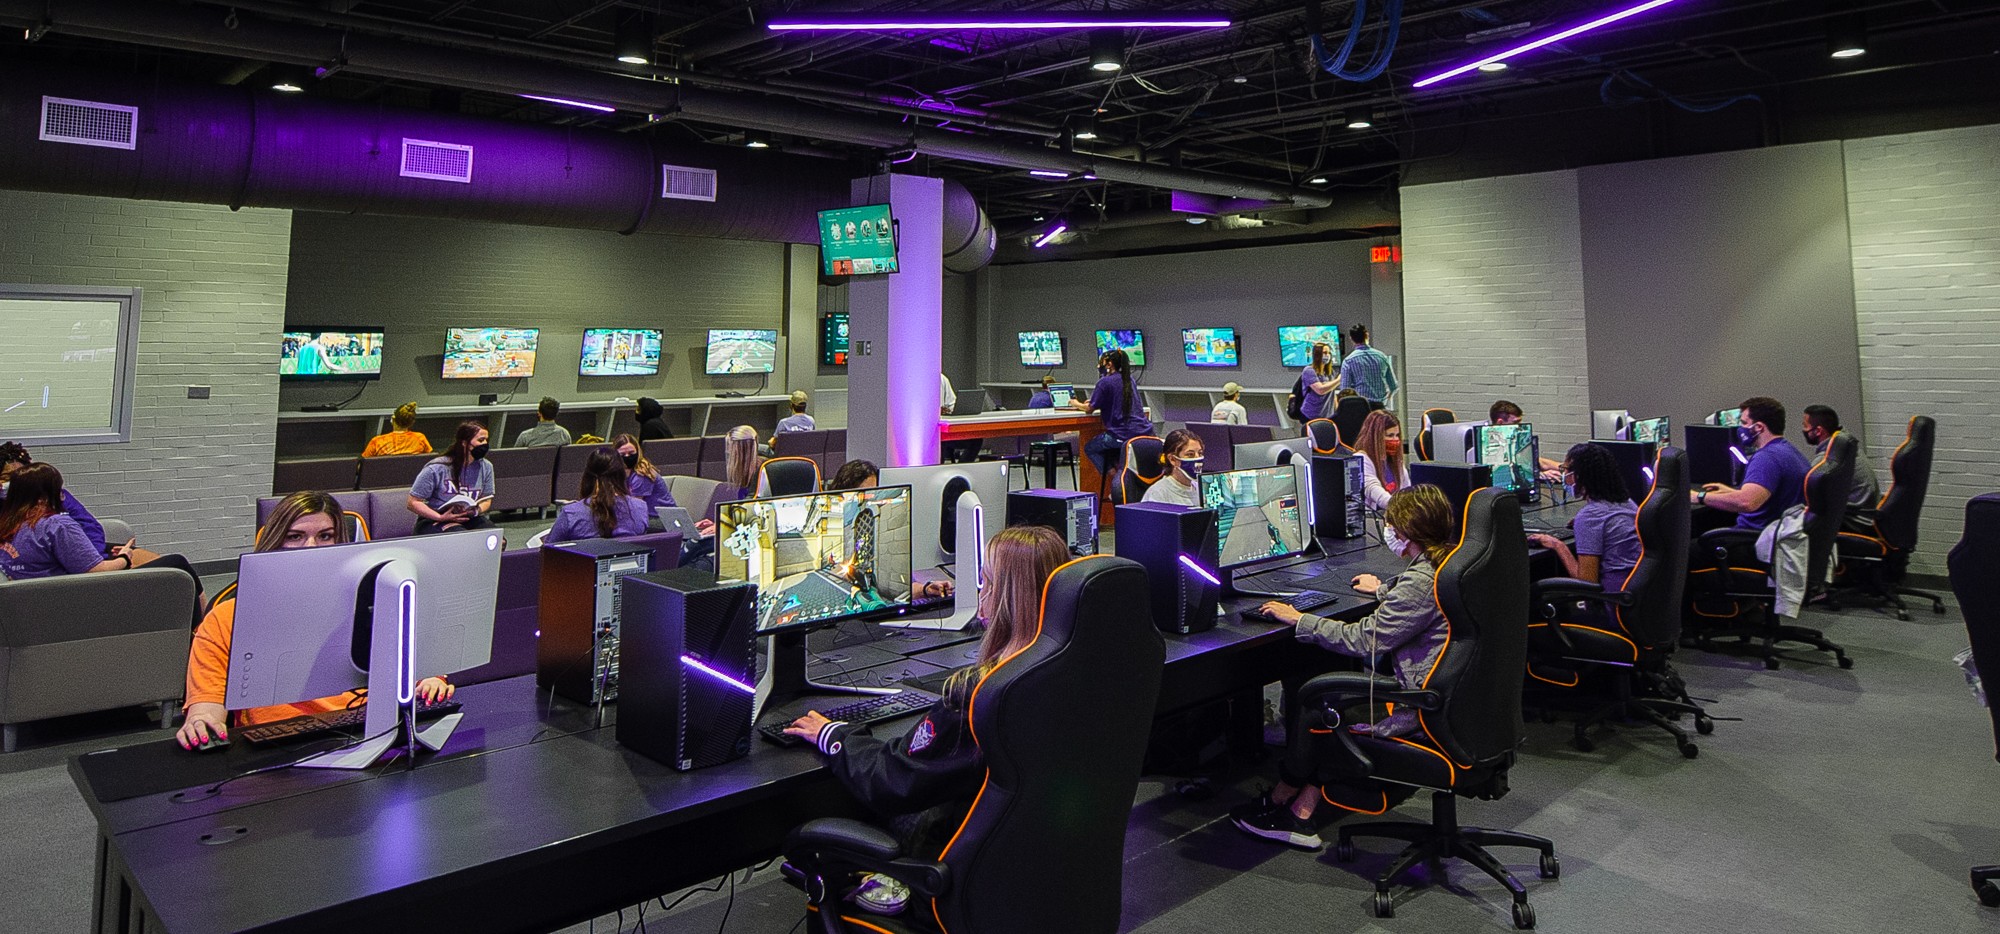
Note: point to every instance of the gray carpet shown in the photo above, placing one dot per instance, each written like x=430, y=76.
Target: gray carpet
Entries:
x=1844, y=801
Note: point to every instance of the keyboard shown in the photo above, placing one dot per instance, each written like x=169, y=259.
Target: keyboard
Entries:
x=331, y=721
x=1305, y=601
x=863, y=711
x=1560, y=533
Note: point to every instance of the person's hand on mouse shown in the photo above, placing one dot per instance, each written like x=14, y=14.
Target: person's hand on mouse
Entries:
x=1366, y=583
x=204, y=721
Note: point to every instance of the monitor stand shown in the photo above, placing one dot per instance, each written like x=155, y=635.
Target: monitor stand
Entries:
x=391, y=674
x=785, y=678
x=966, y=566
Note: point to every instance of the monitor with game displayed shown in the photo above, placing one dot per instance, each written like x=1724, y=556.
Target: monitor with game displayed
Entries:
x=1041, y=348
x=1295, y=342
x=1132, y=342
x=1209, y=346
x=1655, y=430
x=1511, y=451
x=737, y=350
x=833, y=339
x=312, y=353
x=818, y=558
x=489, y=353
x=857, y=241
x=620, y=352
x=1257, y=514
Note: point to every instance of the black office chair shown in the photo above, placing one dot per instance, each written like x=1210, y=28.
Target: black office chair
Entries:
x=1432, y=417
x=1876, y=562
x=1044, y=812
x=1470, y=709
x=1631, y=632
x=1144, y=464
x=787, y=476
x=1348, y=414
x=1978, y=590
x=1735, y=576
x=1325, y=437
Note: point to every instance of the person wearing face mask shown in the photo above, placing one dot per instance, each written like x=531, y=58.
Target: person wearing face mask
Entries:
x=1775, y=478
x=1182, y=484
x=1607, y=534
x=1113, y=401
x=1384, y=470
x=455, y=491
x=306, y=519
x=1408, y=628
x=1821, y=422
x=642, y=479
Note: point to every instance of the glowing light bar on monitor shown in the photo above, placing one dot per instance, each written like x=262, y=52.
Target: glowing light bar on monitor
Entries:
x=566, y=102
x=1605, y=20
x=1199, y=571
x=406, y=651
x=695, y=663
x=907, y=22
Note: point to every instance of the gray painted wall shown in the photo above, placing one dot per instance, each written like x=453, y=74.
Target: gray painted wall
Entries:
x=1710, y=279
x=213, y=300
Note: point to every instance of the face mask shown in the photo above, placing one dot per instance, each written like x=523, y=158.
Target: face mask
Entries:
x=1569, y=490
x=631, y=461
x=479, y=451
x=1393, y=446
x=1812, y=437
x=1192, y=467
x=1746, y=435
x=1391, y=540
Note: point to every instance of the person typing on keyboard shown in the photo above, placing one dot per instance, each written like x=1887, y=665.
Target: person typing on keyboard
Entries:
x=923, y=782
x=1408, y=627
x=307, y=519
x=1607, y=529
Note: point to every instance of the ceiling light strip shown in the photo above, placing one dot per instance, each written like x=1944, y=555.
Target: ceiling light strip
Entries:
x=1545, y=40
x=914, y=22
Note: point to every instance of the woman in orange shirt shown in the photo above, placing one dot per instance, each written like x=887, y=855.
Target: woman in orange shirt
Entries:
x=307, y=519
x=401, y=439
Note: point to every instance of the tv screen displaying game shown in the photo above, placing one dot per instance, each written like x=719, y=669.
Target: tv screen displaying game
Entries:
x=330, y=353
x=620, y=352
x=489, y=353
x=1041, y=348
x=741, y=351
x=1132, y=342
x=1209, y=346
x=1295, y=343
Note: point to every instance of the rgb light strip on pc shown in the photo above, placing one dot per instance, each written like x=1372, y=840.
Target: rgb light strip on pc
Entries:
x=696, y=664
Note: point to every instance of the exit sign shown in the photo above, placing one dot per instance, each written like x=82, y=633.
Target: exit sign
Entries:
x=1385, y=254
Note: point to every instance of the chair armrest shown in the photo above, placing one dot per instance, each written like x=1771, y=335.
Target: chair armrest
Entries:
x=833, y=848
x=1330, y=690
x=1571, y=588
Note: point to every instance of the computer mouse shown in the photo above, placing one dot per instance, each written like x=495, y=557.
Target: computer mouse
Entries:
x=214, y=744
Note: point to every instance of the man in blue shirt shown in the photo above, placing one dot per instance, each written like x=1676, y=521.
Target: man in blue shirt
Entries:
x=1367, y=370
x=1775, y=479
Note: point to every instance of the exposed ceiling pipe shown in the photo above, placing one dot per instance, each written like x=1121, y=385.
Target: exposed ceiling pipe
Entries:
x=181, y=27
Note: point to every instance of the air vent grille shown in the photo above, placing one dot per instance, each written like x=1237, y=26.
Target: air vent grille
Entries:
x=89, y=123
x=444, y=162
x=686, y=183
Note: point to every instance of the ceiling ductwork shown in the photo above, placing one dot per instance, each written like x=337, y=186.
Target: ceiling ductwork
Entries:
x=202, y=28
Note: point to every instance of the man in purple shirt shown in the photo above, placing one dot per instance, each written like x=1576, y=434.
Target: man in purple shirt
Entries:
x=1775, y=479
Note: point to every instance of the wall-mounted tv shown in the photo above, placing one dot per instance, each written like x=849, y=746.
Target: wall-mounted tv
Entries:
x=1209, y=346
x=732, y=351
x=857, y=241
x=620, y=352
x=833, y=339
x=489, y=353
x=1133, y=342
x=311, y=353
x=1041, y=348
x=1295, y=343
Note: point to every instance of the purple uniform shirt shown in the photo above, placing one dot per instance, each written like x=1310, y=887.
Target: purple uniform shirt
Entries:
x=54, y=545
x=574, y=521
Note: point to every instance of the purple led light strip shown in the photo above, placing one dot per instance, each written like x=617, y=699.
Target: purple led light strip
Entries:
x=1605, y=20
x=1199, y=570
x=1051, y=235
x=695, y=663
x=566, y=102
x=919, y=21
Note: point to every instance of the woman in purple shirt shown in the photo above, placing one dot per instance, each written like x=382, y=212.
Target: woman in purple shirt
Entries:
x=1113, y=401
x=603, y=508
x=1320, y=380
x=14, y=456
x=1607, y=532
x=642, y=479
x=37, y=539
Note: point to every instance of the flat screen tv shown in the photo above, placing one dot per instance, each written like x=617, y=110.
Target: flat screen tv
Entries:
x=1132, y=342
x=620, y=352
x=1209, y=346
x=1295, y=343
x=1041, y=348
x=833, y=339
x=314, y=353
x=489, y=353
x=732, y=351
x=857, y=241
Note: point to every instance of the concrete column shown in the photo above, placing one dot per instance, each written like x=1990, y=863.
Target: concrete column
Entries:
x=895, y=327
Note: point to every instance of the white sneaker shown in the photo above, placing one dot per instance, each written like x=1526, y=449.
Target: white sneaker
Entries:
x=882, y=895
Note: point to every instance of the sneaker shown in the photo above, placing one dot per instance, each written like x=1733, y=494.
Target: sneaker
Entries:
x=1274, y=822
x=882, y=895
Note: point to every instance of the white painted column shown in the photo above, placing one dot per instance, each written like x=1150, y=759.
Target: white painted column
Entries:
x=895, y=326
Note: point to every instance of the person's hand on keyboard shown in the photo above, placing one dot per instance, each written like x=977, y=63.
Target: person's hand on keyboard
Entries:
x=1278, y=611
x=1366, y=584
x=434, y=689
x=807, y=727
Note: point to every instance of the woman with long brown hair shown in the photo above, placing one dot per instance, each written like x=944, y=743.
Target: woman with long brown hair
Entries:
x=1384, y=469
x=742, y=460
x=455, y=491
x=38, y=538
x=1321, y=379
x=602, y=508
x=642, y=479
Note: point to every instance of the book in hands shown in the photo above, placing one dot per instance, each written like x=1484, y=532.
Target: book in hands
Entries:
x=462, y=503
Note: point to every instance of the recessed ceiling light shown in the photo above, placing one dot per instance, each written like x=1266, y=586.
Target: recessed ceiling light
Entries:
x=1493, y=66
x=1316, y=180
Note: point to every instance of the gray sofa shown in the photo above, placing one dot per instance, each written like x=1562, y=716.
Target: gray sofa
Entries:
x=123, y=635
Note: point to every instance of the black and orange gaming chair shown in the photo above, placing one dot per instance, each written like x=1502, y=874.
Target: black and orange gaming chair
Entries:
x=1971, y=567
x=1145, y=462
x=1431, y=417
x=788, y=476
x=1876, y=561
x=1469, y=708
x=1043, y=812
x=1348, y=413
x=1325, y=436
x=1630, y=631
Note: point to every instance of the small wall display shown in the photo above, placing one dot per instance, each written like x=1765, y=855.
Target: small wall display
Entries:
x=1133, y=342
x=1209, y=346
x=1041, y=348
x=489, y=353
x=620, y=352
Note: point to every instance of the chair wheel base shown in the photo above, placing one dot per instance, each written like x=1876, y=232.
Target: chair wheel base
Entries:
x=1846, y=662
x=1770, y=664
x=1989, y=893
x=1385, y=907
x=1524, y=916
x=1689, y=750
x=1704, y=725
x=1551, y=868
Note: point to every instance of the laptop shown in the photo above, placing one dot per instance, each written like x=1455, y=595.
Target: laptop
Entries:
x=1060, y=393
x=677, y=519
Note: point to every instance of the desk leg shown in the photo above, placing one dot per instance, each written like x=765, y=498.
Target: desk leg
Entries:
x=117, y=907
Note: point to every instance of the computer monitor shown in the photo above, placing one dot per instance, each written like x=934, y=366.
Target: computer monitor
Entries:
x=1608, y=424
x=489, y=353
x=1635, y=464
x=1655, y=430
x=1455, y=442
x=1041, y=348
x=934, y=492
x=1727, y=418
x=330, y=353
x=1209, y=346
x=1512, y=452
x=1295, y=342
x=1271, y=453
x=1258, y=514
x=740, y=350
x=818, y=558
x=1060, y=394
x=620, y=352
x=314, y=622
x=1133, y=342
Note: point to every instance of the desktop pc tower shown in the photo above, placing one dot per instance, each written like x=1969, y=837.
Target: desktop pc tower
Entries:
x=1337, y=507
x=1177, y=547
x=577, y=654
x=1712, y=456
x=690, y=679
x=1456, y=480
x=1072, y=514
x=1635, y=464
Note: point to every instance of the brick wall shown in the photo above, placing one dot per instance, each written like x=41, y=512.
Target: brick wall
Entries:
x=1924, y=216
x=1493, y=302
x=213, y=300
